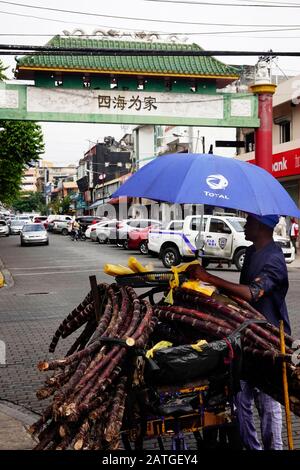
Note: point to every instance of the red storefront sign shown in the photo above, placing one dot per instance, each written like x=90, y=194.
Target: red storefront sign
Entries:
x=285, y=163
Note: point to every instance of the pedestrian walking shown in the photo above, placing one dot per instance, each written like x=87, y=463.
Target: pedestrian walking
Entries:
x=263, y=283
x=294, y=232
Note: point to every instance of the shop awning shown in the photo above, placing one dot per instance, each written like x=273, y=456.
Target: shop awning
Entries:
x=95, y=204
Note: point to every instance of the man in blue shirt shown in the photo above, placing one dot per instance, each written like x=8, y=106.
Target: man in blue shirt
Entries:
x=264, y=284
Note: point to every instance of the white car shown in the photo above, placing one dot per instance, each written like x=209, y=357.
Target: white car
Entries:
x=222, y=240
x=286, y=246
x=104, y=231
x=88, y=231
x=91, y=230
x=61, y=226
x=4, y=228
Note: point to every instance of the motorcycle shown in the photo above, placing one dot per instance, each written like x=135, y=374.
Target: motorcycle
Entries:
x=78, y=234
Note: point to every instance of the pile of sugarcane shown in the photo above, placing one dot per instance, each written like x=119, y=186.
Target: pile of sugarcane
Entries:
x=90, y=385
x=216, y=317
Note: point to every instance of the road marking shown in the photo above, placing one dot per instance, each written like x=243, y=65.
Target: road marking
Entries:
x=56, y=272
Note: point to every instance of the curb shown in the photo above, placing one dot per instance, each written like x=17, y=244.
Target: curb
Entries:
x=6, y=279
x=21, y=414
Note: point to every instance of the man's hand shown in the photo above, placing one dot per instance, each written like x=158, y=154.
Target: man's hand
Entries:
x=196, y=271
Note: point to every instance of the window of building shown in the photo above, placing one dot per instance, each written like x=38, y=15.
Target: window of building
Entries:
x=285, y=131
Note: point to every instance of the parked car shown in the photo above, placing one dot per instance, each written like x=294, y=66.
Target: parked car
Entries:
x=24, y=218
x=40, y=219
x=86, y=220
x=16, y=226
x=50, y=226
x=287, y=247
x=4, y=228
x=60, y=226
x=138, y=239
x=34, y=234
x=127, y=225
x=90, y=227
x=104, y=231
x=53, y=217
x=222, y=237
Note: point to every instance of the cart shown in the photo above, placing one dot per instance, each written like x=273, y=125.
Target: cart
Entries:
x=202, y=409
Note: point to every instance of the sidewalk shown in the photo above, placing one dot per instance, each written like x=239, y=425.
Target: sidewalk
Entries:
x=13, y=420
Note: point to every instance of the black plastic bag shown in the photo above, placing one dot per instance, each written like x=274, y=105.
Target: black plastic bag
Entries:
x=182, y=364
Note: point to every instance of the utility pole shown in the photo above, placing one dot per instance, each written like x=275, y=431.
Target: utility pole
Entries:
x=263, y=135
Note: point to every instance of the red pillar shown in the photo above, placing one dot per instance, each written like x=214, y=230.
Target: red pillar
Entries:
x=263, y=134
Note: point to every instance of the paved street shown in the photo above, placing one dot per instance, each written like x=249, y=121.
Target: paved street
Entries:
x=49, y=281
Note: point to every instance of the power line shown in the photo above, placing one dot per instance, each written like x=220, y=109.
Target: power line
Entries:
x=244, y=5
x=7, y=49
x=141, y=19
x=208, y=33
x=223, y=33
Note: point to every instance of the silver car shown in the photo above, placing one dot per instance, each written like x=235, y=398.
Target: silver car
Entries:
x=16, y=226
x=34, y=233
x=4, y=228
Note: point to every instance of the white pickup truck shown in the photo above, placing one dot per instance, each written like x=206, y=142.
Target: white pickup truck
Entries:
x=222, y=238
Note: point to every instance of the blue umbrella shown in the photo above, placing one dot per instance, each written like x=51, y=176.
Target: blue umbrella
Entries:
x=209, y=179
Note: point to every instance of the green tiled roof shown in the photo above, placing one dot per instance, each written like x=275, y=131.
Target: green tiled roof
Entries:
x=175, y=65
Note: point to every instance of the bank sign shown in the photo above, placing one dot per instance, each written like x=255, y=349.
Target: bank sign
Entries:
x=285, y=163
x=131, y=107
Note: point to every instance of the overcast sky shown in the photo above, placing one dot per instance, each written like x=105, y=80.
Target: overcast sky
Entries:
x=65, y=143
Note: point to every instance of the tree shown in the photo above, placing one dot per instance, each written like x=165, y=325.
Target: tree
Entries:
x=30, y=202
x=65, y=204
x=2, y=70
x=21, y=142
x=61, y=205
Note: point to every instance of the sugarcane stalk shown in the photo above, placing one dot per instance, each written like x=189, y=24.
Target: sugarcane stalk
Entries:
x=91, y=403
x=46, y=436
x=95, y=384
x=36, y=427
x=124, y=314
x=203, y=326
x=115, y=294
x=236, y=316
x=68, y=388
x=82, y=317
x=97, y=366
x=145, y=320
x=83, y=338
x=80, y=438
x=72, y=315
x=116, y=415
x=200, y=315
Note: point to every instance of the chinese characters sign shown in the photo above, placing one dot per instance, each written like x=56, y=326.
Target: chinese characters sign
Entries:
x=125, y=103
x=129, y=107
x=120, y=102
